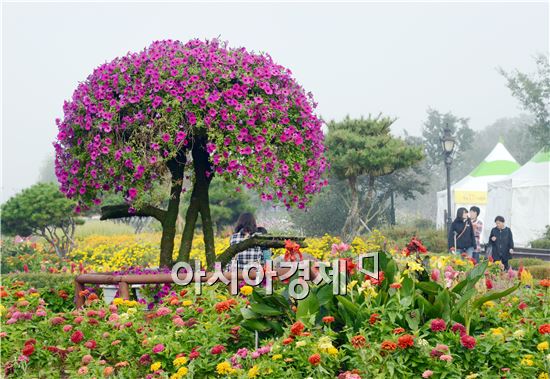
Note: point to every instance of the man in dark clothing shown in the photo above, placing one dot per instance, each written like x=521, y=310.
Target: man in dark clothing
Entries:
x=501, y=242
x=461, y=237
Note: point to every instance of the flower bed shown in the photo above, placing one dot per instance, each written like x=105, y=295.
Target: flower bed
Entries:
x=424, y=316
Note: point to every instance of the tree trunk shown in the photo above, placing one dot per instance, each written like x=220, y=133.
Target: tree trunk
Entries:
x=200, y=202
x=176, y=167
x=351, y=224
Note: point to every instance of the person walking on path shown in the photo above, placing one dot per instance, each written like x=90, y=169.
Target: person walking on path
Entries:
x=478, y=230
x=501, y=241
x=461, y=237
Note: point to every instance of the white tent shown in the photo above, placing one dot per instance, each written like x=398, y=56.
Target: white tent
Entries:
x=472, y=189
x=523, y=200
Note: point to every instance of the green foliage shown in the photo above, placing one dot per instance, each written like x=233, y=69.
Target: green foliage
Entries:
x=102, y=228
x=533, y=92
x=36, y=208
x=544, y=242
x=360, y=152
x=526, y=262
x=435, y=240
x=540, y=271
x=267, y=313
x=41, y=210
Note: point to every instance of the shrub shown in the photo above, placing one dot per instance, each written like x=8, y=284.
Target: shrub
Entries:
x=516, y=262
x=544, y=241
x=540, y=271
x=435, y=240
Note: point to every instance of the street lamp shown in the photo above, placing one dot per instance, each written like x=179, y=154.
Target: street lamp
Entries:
x=448, y=146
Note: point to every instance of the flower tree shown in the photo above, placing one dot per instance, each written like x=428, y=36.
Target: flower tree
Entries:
x=179, y=111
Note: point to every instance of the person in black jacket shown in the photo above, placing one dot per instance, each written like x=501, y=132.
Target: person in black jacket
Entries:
x=501, y=242
x=461, y=237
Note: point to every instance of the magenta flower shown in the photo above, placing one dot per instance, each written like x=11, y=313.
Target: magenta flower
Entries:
x=158, y=348
x=438, y=325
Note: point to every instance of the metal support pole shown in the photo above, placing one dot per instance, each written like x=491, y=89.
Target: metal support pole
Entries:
x=449, y=211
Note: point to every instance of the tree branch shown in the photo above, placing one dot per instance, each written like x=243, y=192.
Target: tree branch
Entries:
x=110, y=212
x=272, y=243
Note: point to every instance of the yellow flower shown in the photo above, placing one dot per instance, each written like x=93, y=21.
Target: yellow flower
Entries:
x=489, y=304
x=504, y=315
x=182, y=371
x=542, y=346
x=253, y=372
x=301, y=343
x=497, y=331
x=186, y=303
x=325, y=343
x=526, y=278
x=332, y=350
x=277, y=356
x=180, y=361
x=131, y=311
x=519, y=333
x=35, y=294
x=246, y=290
x=543, y=375
x=472, y=376
x=118, y=301
x=352, y=284
x=527, y=360
x=225, y=368
x=155, y=366
x=415, y=266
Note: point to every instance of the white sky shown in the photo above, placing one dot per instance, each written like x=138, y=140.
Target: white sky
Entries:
x=356, y=58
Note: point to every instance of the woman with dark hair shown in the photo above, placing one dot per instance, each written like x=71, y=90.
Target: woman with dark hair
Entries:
x=461, y=237
x=245, y=228
x=501, y=242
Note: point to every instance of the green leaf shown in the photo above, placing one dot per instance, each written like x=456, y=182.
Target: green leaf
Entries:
x=444, y=299
x=431, y=288
x=256, y=325
x=463, y=300
x=248, y=313
x=493, y=295
x=307, y=307
x=324, y=294
x=265, y=310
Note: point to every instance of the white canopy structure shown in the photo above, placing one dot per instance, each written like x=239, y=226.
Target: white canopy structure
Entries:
x=523, y=199
x=472, y=189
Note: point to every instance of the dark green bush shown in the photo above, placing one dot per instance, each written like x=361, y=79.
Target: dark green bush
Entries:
x=544, y=241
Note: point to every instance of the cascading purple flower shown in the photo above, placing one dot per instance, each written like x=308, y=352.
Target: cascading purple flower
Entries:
x=137, y=112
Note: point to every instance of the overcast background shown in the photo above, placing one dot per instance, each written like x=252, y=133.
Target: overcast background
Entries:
x=357, y=59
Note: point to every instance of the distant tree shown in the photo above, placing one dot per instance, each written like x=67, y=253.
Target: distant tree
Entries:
x=360, y=152
x=47, y=171
x=44, y=211
x=433, y=130
x=533, y=92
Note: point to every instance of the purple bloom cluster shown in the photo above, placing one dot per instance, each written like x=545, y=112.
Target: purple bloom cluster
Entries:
x=134, y=114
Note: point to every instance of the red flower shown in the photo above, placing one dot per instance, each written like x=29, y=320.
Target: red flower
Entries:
x=297, y=328
x=63, y=294
x=458, y=327
x=28, y=350
x=373, y=318
x=288, y=341
x=405, y=341
x=218, y=349
x=398, y=330
x=358, y=341
x=438, y=325
x=545, y=283
x=414, y=246
x=375, y=281
x=544, y=329
x=91, y=344
x=388, y=345
x=292, y=251
x=328, y=319
x=395, y=285
x=194, y=354
x=315, y=359
x=488, y=284
x=25, y=268
x=522, y=306
x=77, y=336
x=30, y=341
x=467, y=341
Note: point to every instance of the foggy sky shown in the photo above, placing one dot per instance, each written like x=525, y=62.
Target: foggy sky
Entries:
x=357, y=59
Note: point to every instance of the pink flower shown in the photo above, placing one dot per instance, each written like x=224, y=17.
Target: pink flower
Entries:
x=83, y=370
x=163, y=311
x=435, y=277
x=218, y=349
x=86, y=359
x=446, y=358
x=427, y=373
x=77, y=336
x=67, y=328
x=57, y=320
x=438, y=325
x=458, y=327
x=132, y=193
x=159, y=348
x=91, y=344
x=522, y=306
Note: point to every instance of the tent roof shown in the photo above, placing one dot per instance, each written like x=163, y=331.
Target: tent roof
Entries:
x=536, y=172
x=496, y=166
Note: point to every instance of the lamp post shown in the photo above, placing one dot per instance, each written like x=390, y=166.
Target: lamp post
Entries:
x=448, y=146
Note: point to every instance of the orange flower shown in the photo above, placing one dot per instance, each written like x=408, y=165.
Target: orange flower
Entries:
x=395, y=285
x=225, y=305
x=544, y=329
x=107, y=371
x=122, y=364
x=315, y=359
x=545, y=283
x=358, y=341
x=3, y=293
x=388, y=345
x=398, y=330
x=328, y=319
x=405, y=341
x=297, y=328
x=288, y=341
